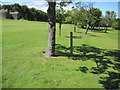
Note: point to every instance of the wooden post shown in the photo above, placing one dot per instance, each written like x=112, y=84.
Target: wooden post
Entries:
x=71, y=43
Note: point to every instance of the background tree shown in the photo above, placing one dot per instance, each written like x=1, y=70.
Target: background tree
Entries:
x=108, y=19
x=105, y=22
x=68, y=18
x=60, y=15
x=116, y=24
x=84, y=14
x=96, y=14
x=113, y=16
x=26, y=13
x=75, y=17
x=72, y=17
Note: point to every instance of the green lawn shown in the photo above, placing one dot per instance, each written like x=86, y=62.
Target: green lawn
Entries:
x=25, y=67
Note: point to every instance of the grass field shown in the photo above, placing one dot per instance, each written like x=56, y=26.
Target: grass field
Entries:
x=93, y=65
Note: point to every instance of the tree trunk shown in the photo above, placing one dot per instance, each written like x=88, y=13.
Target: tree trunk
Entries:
x=87, y=29
x=91, y=28
x=60, y=25
x=105, y=30
x=51, y=32
x=75, y=27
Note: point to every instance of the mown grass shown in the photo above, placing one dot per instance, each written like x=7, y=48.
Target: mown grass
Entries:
x=24, y=65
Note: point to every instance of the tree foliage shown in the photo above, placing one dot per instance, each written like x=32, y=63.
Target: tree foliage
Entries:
x=60, y=15
x=86, y=16
x=109, y=18
x=31, y=14
x=116, y=24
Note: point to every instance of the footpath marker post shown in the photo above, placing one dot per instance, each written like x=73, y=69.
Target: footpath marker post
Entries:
x=71, y=43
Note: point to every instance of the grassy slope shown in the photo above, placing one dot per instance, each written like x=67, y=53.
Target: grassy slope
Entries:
x=24, y=65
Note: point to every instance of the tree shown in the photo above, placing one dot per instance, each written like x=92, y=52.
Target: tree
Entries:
x=52, y=29
x=90, y=15
x=75, y=17
x=96, y=14
x=68, y=18
x=72, y=18
x=60, y=15
x=108, y=19
x=113, y=15
x=84, y=14
x=26, y=13
x=116, y=24
x=106, y=23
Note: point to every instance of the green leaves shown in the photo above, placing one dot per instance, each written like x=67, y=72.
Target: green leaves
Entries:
x=27, y=13
x=60, y=16
x=116, y=24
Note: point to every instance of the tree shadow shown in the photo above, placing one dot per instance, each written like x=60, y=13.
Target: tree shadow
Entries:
x=112, y=81
x=79, y=32
x=93, y=35
x=61, y=50
x=82, y=69
x=104, y=59
x=101, y=30
x=98, y=29
x=76, y=37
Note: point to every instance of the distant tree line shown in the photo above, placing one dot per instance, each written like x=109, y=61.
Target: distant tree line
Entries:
x=86, y=16
x=26, y=13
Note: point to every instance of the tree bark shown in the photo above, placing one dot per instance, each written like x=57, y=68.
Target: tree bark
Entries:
x=60, y=25
x=87, y=29
x=51, y=30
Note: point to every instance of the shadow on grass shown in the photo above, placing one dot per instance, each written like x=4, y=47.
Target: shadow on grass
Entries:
x=112, y=81
x=93, y=35
x=79, y=32
x=101, y=30
x=103, y=58
x=76, y=37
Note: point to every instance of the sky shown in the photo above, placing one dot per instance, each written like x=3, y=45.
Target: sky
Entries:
x=103, y=5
